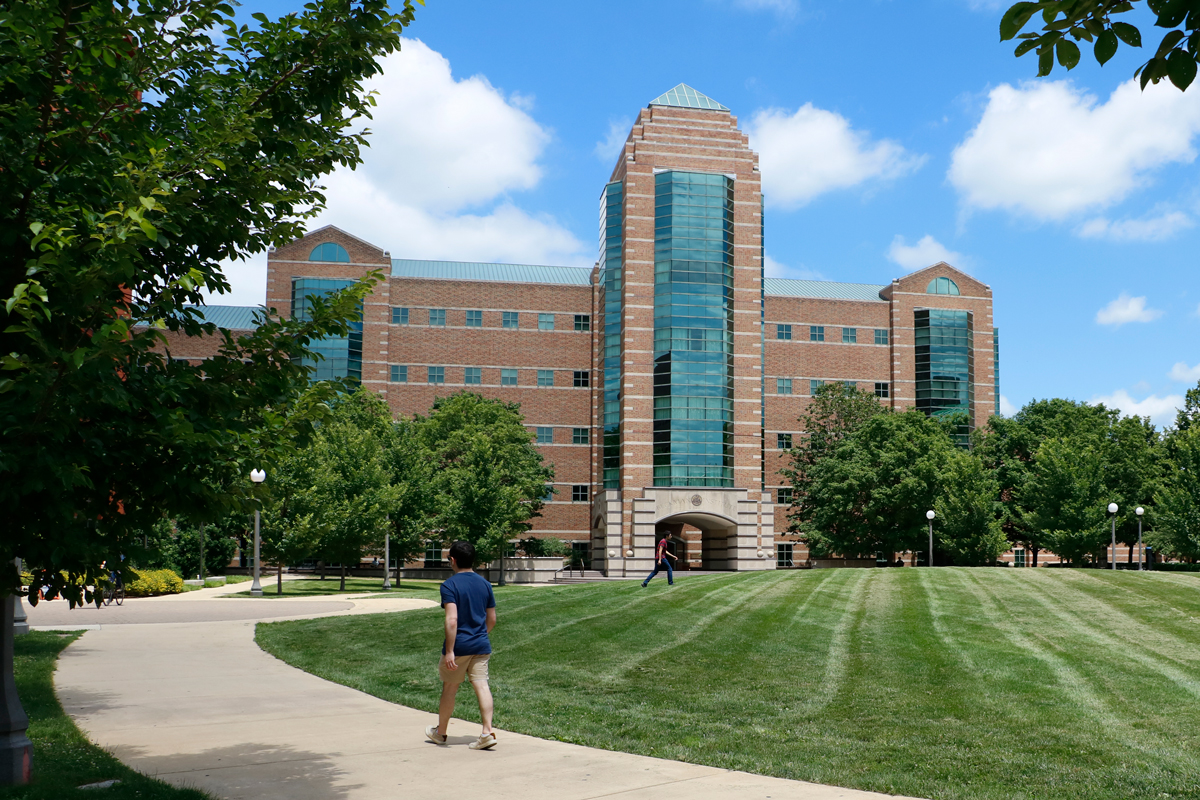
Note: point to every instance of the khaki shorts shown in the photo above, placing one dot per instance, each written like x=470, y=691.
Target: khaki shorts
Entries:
x=470, y=668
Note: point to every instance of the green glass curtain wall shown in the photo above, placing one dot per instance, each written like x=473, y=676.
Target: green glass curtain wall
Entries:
x=945, y=362
x=693, y=330
x=341, y=355
x=611, y=278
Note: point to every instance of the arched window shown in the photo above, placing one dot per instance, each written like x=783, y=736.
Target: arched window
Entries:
x=942, y=286
x=330, y=251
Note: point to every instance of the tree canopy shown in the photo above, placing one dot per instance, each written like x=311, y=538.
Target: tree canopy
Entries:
x=1066, y=22
x=141, y=144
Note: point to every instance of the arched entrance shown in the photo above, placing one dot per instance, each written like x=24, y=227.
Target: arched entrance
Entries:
x=699, y=540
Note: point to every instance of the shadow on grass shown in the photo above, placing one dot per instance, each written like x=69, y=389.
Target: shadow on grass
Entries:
x=315, y=587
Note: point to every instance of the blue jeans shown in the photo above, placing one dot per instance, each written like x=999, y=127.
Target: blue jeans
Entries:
x=666, y=562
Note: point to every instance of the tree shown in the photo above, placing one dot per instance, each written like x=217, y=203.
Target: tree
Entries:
x=1175, y=523
x=835, y=413
x=871, y=493
x=968, y=531
x=1070, y=21
x=488, y=479
x=1066, y=496
x=1006, y=447
x=137, y=151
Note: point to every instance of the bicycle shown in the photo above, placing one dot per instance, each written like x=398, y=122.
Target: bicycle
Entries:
x=114, y=594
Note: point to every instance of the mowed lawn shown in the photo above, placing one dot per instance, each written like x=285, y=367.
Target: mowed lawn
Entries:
x=954, y=683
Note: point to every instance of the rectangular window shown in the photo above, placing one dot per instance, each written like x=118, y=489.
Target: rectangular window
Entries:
x=437, y=316
x=783, y=496
x=583, y=322
x=582, y=378
x=545, y=435
x=398, y=373
x=545, y=377
x=850, y=384
x=433, y=554
x=581, y=555
x=883, y=390
x=783, y=386
x=545, y=322
x=783, y=554
x=783, y=332
x=399, y=316
x=1018, y=558
x=510, y=319
x=581, y=436
x=548, y=497
x=437, y=374
x=849, y=335
x=474, y=319
x=579, y=494
x=881, y=336
x=783, y=441
x=473, y=376
x=813, y=385
x=508, y=377
x=816, y=333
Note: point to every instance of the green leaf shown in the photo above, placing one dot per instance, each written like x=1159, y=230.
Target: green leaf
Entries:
x=1015, y=18
x=1168, y=43
x=1181, y=69
x=1025, y=46
x=1171, y=13
x=1127, y=34
x=1068, y=53
x=1106, y=47
x=1045, y=62
x=149, y=230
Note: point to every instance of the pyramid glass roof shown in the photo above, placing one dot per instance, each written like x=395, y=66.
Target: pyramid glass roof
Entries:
x=684, y=96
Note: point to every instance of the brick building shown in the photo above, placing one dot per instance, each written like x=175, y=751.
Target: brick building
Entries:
x=665, y=382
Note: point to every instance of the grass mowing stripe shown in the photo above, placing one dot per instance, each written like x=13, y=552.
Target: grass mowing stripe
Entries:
x=938, y=614
x=853, y=600
x=1145, y=598
x=1055, y=597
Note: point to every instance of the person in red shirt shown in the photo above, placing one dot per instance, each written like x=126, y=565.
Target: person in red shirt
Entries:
x=662, y=558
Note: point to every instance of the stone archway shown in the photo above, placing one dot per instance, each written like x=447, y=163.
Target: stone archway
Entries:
x=717, y=536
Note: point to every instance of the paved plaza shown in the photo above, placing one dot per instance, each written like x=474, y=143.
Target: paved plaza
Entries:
x=177, y=688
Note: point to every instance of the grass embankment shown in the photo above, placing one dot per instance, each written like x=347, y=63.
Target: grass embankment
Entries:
x=63, y=758
x=314, y=587
x=946, y=683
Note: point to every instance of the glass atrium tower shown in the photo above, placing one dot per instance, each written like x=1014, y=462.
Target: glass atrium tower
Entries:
x=681, y=299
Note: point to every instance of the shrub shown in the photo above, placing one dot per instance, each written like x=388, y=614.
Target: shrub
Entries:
x=150, y=582
x=542, y=548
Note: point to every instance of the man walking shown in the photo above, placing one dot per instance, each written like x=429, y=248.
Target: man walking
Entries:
x=662, y=559
x=470, y=616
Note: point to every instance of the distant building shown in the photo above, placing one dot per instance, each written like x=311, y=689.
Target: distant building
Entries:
x=665, y=382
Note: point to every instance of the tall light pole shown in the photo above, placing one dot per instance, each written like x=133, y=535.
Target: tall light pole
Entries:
x=387, y=561
x=1112, y=509
x=929, y=515
x=1139, y=511
x=258, y=476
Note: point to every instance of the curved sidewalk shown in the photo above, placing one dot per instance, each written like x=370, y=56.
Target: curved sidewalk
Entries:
x=198, y=704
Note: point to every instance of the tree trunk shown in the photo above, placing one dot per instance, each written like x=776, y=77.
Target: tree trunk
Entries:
x=1034, y=550
x=342, y=588
x=16, y=751
x=321, y=564
x=279, y=579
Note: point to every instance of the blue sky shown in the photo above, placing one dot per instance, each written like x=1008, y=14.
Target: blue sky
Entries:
x=892, y=134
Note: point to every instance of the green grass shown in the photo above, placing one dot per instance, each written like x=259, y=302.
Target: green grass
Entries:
x=945, y=683
x=63, y=758
x=314, y=587
x=211, y=583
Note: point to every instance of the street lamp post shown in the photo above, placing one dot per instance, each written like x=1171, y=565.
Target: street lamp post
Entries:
x=1112, y=509
x=929, y=515
x=1139, y=511
x=258, y=476
x=387, y=561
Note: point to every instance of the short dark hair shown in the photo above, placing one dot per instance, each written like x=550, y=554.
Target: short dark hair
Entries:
x=463, y=554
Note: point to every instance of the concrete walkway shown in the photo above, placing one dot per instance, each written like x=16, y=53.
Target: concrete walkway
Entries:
x=198, y=704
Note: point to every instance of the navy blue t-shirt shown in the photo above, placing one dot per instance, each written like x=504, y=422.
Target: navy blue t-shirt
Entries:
x=472, y=594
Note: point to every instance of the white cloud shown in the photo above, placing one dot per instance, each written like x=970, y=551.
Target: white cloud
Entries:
x=1183, y=373
x=926, y=252
x=1007, y=409
x=1126, y=309
x=1160, y=410
x=1146, y=229
x=612, y=145
x=813, y=151
x=775, y=269
x=1051, y=149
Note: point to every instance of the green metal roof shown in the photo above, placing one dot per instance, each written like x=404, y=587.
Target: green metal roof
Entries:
x=825, y=290
x=235, y=318
x=496, y=273
x=684, y=96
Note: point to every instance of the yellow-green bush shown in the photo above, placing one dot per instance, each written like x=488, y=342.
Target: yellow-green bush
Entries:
x=148, y=582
